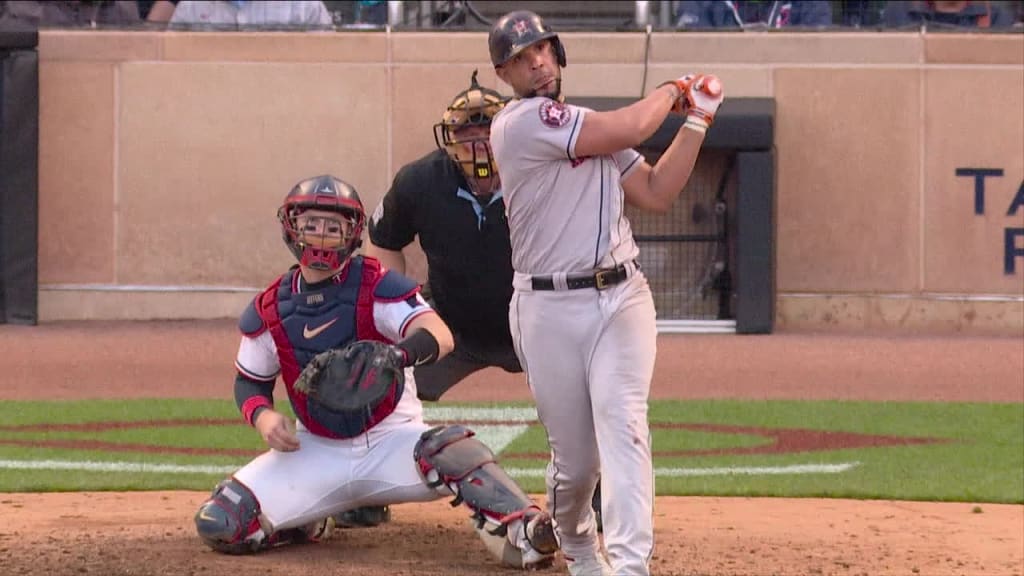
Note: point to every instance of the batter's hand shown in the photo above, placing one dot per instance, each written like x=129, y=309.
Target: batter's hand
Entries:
x=681, y=85
x=277, y=431
x=702, y=96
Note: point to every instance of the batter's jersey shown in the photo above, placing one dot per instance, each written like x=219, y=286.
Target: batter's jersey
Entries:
x=565, y=212
x=469, y=259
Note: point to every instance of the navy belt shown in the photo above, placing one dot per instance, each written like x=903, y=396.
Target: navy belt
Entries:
x=600, y=279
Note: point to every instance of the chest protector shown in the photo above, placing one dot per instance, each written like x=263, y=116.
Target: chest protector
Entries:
x=304, y=324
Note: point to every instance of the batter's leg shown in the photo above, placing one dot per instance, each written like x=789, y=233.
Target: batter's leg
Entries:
x=553, y=333
x=621, y=372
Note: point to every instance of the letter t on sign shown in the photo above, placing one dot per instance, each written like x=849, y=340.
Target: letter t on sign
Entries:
x=979, y=184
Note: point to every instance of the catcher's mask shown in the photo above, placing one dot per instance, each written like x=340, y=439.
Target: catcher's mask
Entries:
x=465, y=128
x=516, y=31
x=322, y=222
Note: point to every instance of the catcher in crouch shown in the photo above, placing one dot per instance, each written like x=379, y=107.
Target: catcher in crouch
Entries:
x=343, y=334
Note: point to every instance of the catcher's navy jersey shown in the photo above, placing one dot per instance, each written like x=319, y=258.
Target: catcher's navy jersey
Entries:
x=327, y=315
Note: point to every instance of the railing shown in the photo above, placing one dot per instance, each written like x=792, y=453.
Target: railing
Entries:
x=613, y=15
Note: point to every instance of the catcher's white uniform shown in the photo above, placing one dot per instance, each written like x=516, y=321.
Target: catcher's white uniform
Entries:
x=326, y=476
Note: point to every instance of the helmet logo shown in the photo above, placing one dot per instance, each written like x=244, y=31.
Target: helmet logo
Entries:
x=554, y=114
x=325, y=190
x=520, y=27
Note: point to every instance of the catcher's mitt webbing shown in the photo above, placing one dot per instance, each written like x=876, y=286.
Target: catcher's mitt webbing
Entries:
x=420, y=348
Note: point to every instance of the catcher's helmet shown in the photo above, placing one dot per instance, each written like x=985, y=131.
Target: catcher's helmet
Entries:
x=331, y=245
x=515, y=31
x=474, y=106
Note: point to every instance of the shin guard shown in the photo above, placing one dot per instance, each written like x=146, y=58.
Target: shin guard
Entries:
x=451, y=457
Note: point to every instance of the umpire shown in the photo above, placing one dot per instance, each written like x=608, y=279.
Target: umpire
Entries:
x=451, y=198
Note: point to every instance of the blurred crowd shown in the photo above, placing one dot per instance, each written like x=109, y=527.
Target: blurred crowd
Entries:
x=325, y=15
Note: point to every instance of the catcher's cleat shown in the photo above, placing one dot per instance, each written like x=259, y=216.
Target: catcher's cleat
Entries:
x=318, y=531
x=363, y=517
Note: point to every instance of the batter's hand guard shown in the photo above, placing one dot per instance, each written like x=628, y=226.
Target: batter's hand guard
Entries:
x=349, y=390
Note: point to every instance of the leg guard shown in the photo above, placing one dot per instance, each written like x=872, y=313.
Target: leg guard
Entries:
x=449, y=456
x=229, y=522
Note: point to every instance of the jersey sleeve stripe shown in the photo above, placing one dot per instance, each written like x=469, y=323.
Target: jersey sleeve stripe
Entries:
x=405, y=296
x=625, y=171
x=572, y=135
x=253, y=375
x=416, y=314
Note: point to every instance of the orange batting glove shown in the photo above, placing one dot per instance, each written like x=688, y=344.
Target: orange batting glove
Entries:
x=703, y=96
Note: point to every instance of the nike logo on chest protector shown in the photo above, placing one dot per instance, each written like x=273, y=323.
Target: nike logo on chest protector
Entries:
x=310, y=334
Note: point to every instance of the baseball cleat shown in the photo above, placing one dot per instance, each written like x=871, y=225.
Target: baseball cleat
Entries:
x=363, y=517
x=591, y=566
x=540, y=543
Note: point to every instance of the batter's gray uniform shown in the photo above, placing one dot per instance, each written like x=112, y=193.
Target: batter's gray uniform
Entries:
x=588, y=353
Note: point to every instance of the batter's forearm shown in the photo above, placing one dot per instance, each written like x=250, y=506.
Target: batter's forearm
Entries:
x=649, y=114
x=671, y=173
x=252, y=397
x=628, y=127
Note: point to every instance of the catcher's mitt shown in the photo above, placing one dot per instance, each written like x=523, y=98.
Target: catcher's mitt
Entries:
x=349, y=390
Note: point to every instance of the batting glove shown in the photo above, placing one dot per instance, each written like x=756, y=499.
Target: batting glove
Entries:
x=703, y=97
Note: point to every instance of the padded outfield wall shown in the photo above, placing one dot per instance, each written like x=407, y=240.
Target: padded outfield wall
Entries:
x=163, y=157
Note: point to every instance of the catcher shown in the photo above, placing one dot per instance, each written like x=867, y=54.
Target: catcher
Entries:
x=343, y=335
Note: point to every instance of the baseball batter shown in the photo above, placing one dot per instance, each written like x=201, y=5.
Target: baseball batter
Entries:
x=582, y=315
x=369, y=446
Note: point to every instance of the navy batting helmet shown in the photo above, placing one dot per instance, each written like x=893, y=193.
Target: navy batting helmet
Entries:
x=322, y=244
x=517, y=30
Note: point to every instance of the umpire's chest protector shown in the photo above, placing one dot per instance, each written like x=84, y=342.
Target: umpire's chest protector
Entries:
x=306, y=323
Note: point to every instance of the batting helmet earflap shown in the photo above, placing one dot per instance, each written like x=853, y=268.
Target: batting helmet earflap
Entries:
x=515, y=31
x=331, y=194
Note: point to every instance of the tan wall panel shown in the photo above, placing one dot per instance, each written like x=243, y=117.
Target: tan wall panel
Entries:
x=212, y=129
x=739, y=81
x=591, y=48
x=275, y=47
x=899, y=314
x=79, y=45
x=437, y=48
x=963, y=251
x=786, y=48
x=974, y=49
x=140, y=305
x=76, y=185
x=848, y=182
x=209, y=150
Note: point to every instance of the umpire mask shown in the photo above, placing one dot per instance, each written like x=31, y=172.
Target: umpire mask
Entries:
x=464, y=133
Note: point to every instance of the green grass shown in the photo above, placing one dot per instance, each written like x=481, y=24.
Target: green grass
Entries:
x=981, y=458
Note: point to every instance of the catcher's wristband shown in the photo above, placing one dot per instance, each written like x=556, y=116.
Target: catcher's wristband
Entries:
x=419, y=348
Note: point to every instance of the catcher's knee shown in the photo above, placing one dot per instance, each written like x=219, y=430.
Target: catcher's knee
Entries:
x=229, y=521
x=451, y=460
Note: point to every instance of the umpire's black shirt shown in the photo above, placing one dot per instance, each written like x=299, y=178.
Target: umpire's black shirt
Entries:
x=469, y=254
